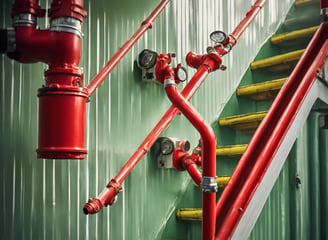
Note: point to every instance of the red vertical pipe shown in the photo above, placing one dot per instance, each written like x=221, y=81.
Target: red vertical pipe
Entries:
x=324, y=4
x=208, y=156
x=100, y=77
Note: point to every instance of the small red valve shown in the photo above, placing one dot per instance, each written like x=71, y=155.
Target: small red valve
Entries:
x=164, y=70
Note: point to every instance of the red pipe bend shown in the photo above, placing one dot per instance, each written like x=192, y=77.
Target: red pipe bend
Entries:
x=206, y=132
x=208, y=154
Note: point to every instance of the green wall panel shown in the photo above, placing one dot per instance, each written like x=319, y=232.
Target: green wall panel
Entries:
x=43, y=199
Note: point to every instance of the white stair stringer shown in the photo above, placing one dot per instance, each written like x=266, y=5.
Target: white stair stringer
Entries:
x=317, y=91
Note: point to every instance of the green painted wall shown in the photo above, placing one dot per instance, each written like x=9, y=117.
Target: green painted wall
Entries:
x=43, y=199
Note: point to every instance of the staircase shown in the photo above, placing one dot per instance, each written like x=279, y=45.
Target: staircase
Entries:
x=248, y=107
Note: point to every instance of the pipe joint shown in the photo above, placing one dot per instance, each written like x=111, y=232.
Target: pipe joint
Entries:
x=116, y=186
x=187, y=161
x=25, y=19
x=208, y=184
x=178, y=159
x=67, y=24
x=169, y=82
x=72, y=9
x=194, y=60
x=27, y=6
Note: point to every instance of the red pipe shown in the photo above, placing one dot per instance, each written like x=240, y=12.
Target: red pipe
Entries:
x=109, y=193
x=324, y=5
x=203, y=68
x=62, y=100
x=250, y=15
x=183, y=161
x=268, y=137
x=100, y=77
x=208, y=155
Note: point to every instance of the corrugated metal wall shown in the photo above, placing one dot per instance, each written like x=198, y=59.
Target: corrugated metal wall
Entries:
x=43, y=199
x=296, y=207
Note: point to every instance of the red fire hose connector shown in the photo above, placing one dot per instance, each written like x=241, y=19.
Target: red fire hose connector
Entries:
x=106, y=197
x=164, y=70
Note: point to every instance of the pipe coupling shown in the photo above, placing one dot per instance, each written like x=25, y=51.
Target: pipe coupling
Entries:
x=208, y=184
x=169, y=82
x=117, y=189
x=25, y=19
x=67, y=24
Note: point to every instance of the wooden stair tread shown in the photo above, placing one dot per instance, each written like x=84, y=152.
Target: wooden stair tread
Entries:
x=298, y=35
x=247, y=121
x=279, y=62
x=262, y=91
x=231, y=151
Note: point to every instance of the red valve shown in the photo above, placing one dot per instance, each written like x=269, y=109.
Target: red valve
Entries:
x=164, y=70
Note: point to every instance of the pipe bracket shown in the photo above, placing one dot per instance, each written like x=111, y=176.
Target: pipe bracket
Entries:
x=208, y=184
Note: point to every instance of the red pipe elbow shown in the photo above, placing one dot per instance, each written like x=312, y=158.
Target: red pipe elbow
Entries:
x=194, y=60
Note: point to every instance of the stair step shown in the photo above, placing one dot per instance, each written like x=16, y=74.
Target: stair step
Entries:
x=222, y=181
x=195, y=214
x=262, y=91
x=280, y=62
x=299, y=35
x=304, y=2
x=189, y=214
x=248, y=121
x=231, y=151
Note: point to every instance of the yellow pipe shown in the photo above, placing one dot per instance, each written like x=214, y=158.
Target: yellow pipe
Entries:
x=222, y=181
x=307, y=32
x=261, y=87
x=302, y=2
x=235, y=150
x=190, y=214
x=279, y=59
x=245, y=118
